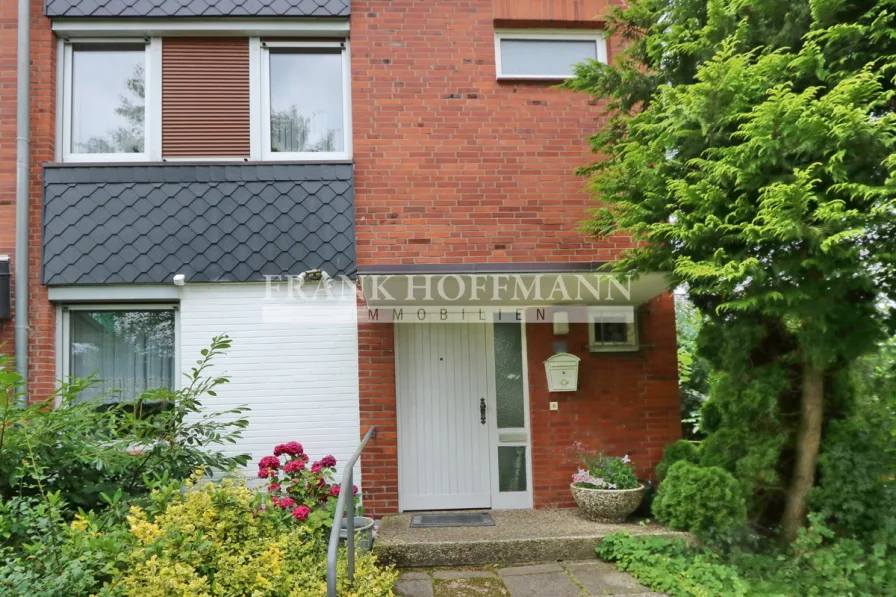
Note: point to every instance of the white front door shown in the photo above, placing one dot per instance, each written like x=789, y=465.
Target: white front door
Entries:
x=443, y=379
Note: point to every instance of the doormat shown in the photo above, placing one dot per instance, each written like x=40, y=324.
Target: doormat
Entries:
x=428, y=521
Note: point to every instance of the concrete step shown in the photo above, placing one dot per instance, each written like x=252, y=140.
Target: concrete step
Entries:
x=518, y=537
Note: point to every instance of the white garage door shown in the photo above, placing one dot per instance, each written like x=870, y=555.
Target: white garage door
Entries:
x=294, y=364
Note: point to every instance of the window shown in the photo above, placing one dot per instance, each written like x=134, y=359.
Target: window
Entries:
x=612, y=329
x=545, y=55
x=130, y=349
x=304, y=103
x=108, y=101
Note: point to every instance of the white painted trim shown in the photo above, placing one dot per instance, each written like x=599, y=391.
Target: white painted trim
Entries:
x=60, y=97
x=152, y=102
x=244, y=27
x=264, y=94
x=255, y=99
x=119, y=293
x=597, y=37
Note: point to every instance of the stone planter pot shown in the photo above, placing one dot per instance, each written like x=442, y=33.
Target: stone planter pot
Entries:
x=363, y=533
x=607, y=505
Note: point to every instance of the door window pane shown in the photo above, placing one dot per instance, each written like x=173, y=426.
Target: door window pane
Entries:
x=511, y=468
x=306, y=101
x=108, y=98
x=509, y=375
x=544, y=57
x=130, y=351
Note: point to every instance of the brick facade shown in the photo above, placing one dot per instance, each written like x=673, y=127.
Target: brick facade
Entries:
x=453, y=166
x=42, y=316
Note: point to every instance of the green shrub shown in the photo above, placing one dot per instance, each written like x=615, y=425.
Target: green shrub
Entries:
x=817, y=565
x=44, y=556
x=83, y=451
x=672, y=567
x=216, y=540
x=676, y=452
x=706, y=501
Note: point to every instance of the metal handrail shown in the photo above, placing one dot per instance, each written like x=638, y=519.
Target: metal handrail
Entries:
x=345, y=502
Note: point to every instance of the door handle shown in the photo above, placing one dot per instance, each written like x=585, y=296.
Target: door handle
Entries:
x=482, y=410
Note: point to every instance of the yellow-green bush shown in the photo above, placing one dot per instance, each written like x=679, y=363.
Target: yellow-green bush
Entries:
x=214, y=541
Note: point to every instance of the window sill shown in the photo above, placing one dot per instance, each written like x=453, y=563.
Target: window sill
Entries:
x=604, y=348
x=197, y=162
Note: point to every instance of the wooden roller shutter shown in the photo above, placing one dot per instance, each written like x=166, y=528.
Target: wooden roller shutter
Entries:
x=205, y=97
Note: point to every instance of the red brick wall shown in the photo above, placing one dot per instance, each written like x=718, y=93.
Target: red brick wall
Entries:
x=42, y=340
x=554, y=11
x=42, y=316
x=7, y=148
x=379, y=463
x=451, y=165
x=626, y=403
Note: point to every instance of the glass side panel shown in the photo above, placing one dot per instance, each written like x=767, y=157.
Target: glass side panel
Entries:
x=512, y=468
x=509, y=375
x=129, y=351
x=544, y=56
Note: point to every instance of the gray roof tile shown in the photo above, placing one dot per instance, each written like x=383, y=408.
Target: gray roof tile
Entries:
x=197, y=8
x=144, y=224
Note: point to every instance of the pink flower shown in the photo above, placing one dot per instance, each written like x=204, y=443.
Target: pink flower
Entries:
x=291, y=448
x=301, y=513
x=315, y=468
x=275, y=501
x=264, y=473
x=274, y=487
x=294, y=466
x=354, y=490
x=287, y=503
x=327, y=461
x=269, y=462
x=334, y=490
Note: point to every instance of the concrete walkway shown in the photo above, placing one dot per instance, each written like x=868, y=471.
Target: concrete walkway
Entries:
x=563, y=579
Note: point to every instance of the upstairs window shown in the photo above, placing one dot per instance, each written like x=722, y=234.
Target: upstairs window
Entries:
x=106, y=109
x=545, y=55
x=305, y=107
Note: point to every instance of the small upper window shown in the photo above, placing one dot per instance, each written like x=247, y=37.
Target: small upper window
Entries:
x=612, y=329
x=535, y=55
x=105, y=102
x=305, y=101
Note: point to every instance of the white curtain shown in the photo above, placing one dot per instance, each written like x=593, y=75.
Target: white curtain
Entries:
x=130, y=351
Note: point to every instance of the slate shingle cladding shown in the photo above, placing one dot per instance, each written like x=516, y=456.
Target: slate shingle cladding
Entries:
x=197, y=8
x=228, y=223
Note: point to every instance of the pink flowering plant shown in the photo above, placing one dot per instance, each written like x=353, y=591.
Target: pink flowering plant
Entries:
x=599, y=471
x=301, y=490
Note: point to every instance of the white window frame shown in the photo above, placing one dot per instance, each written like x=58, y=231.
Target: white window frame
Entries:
x=153, y=103
x=260, y=109
x=597, y=37
x=630, y=315
x=63, y=332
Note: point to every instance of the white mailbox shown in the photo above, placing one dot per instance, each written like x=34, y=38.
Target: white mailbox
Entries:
x=563, y=372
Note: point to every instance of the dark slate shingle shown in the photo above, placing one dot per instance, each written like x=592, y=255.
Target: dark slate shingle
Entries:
x=144, y=224
x=197, y=8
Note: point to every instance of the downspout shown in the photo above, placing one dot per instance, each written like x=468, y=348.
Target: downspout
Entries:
x=23, y=176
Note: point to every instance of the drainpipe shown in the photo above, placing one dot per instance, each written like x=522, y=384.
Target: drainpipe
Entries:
x=23, y=160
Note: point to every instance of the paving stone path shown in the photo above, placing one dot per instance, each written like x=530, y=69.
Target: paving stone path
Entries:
x=563, y=579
